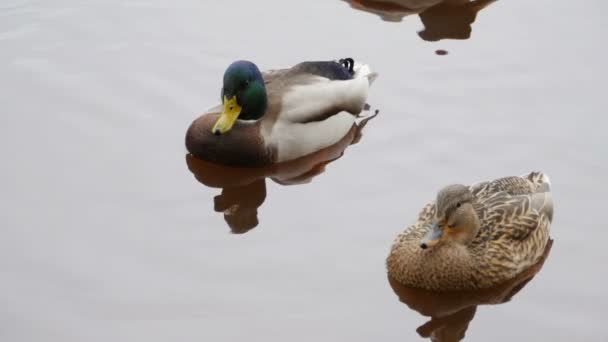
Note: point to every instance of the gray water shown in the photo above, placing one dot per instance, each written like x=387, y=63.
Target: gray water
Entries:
x=107, y=236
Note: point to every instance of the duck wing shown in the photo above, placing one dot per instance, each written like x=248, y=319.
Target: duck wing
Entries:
x=315, y=91
x=331, y=70
x=517, y=206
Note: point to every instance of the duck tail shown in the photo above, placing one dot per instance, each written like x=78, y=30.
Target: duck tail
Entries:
x=363, y=70
x=542, y=199
x=540, y=180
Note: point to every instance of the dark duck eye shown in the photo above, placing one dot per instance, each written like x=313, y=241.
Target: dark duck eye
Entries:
x=458, y=205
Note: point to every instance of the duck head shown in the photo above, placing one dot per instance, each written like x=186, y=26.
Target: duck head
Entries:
x=455, y=220
x=243, y=96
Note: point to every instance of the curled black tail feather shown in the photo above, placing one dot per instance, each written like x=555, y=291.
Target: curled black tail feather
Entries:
x=348, y=63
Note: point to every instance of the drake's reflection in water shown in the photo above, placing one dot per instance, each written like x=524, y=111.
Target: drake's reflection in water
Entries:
x=240, y=205
x=244, y=189
x=451, y=312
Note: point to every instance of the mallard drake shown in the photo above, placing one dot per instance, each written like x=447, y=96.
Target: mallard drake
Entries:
x=474, y=237
x=280, y=115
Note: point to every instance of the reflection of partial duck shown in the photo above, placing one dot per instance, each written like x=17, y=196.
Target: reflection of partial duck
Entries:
x=451, y=312
x=244, y=189
x=442, y=19
x=451, y=21
x=475, y=236
x=240, y=205
x=280, y=115
x=393, y=10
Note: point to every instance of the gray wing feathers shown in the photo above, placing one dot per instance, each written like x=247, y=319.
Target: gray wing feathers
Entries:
x=270, y=76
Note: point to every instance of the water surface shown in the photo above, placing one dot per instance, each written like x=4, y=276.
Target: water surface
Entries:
x=106, y=235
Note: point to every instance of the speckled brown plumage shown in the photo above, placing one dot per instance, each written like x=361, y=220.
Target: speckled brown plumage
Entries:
x=515, y=214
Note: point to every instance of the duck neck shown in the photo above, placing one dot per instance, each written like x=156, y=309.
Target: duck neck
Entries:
x=475, y=228
x=255, y=102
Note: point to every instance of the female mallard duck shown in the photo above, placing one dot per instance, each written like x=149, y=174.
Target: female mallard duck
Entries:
x=476, y=236
x=282, y=114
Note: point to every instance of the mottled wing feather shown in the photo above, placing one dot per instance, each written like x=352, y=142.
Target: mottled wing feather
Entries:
x=305, y=73
x=427, y=214
x=510, y=185
x=270, y=76
x=425, y=219
x=416, y=231
x=328, y=69
x=515, y=216
x=318, y=75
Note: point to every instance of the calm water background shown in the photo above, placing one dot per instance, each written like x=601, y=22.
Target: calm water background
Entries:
x=106, y=236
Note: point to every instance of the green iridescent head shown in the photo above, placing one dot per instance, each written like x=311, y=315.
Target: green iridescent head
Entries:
x=243, y=96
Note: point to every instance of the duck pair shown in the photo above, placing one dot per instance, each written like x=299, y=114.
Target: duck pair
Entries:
x=470, y=237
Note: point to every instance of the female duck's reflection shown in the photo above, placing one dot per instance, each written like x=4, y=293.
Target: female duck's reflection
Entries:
x=442, y=19
x=451, y=312
x=244, y=189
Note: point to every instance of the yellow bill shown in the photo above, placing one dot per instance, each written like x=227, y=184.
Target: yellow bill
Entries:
x=228, y=117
